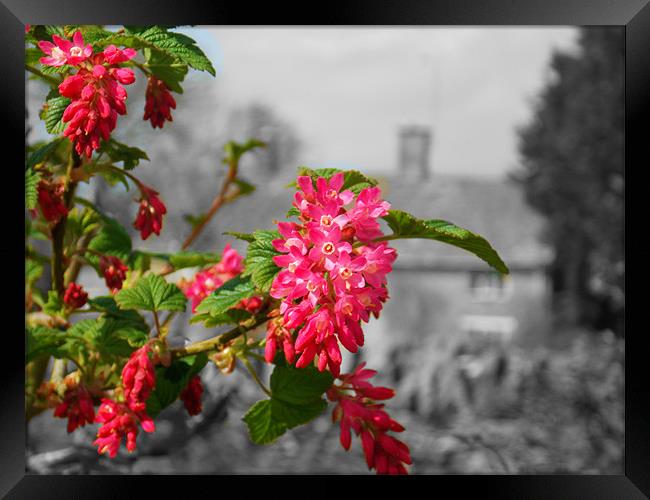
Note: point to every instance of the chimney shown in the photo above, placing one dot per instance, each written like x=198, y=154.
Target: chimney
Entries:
x=414, y=145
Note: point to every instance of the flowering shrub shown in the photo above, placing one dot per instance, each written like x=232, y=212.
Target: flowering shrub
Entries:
x=302, y=292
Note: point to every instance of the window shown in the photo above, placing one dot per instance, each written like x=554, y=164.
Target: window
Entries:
x=488, y=286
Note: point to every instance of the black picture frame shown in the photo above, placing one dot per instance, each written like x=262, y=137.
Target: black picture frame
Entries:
x=634, y=15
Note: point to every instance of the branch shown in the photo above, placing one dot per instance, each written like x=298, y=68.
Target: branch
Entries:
x=50, y=79
x=220, y=340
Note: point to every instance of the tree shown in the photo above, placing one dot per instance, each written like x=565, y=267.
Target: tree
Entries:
x=572, y=171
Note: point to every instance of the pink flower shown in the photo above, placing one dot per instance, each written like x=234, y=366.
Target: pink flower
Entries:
x=277, y=334
x=114, y=272
x=159, y=103
x=150, y=213
x=75, y=296
x=118, y=422
x=138, y=378
x=113, y=55
x=191, y=396
x=64, y=51
x=77, y=407
x=333, y=275
x=356, y=410
x=208, y=280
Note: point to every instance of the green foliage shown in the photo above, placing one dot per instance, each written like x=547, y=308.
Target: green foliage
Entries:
x=152, y=293
x=354, y=180
x=235, y=150
x=32, y=178
x=118, y=152
x=107, y=306
x=293, y=212
x=244, y=187
x=112, y=239
x=54, y=304
x=166, y=68
x=33, y=271
x=176, y=46
x=53, y=112
x=296, y=399
x=229, y=317
x=227, y=296
x=182, y=260
x=172, y=380
x=259, y=263
x=241, y=236
x=109, y=336
x=43, y=152
x=41, y=340
x=194, y=220
x=405, y=225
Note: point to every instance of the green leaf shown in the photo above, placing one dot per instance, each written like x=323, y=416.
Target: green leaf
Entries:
x=33, y=271
x=169, y=69
x=244, y=187
x=112, y=239
x=405, y=225
x=259, y=263
x=109, y=309
x=230, y=317
x=354, y=180
x=129, y=155
x=167, y=43
x=299, y=385
x=111, y=176
x=241, y=236
x=293, y=212
x=110, y=336
x=53, y=112
x=182, y=260
x=296, y=399
x=41, y=340
x=139, y=261
x=54, y=304
x=43, y=152
x=226, y=296
x=32, y=178
x=235, y=150
x=152, y=293
x=172, y=380
x=194, y=220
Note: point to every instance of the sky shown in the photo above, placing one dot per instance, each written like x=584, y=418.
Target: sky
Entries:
x=347, y=90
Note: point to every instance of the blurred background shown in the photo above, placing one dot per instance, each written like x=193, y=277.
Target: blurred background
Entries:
x=513, y=133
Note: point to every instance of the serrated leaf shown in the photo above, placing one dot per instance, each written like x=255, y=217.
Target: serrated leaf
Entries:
x=43, y=152
x=172, y=380
x=269, y=419
x=226, y=296
x=32, y=178
x=169, y=69
x=53, y=112
x=41, y=340
x=405, y=225
x=152, y=293
x=118, y=152
x=159, y=39
x=183, y=260
x=112, y=239
x=299, y=385
x=259, y=263
x=109, y=308
x=293, y=212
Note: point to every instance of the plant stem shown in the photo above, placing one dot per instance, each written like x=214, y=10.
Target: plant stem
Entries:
x=50, y=79
x=253, y=373
x=214, y=207
x=218, y=341
x=157, y=322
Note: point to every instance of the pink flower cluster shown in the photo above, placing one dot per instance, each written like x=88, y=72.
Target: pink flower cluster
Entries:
x=159, y=103
x=77, y=406
x=356, y=409
x=95, y=89
x=114, y=272
x=75, y=296
x=208, y=280
x=120, y=420
x=333, y=275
